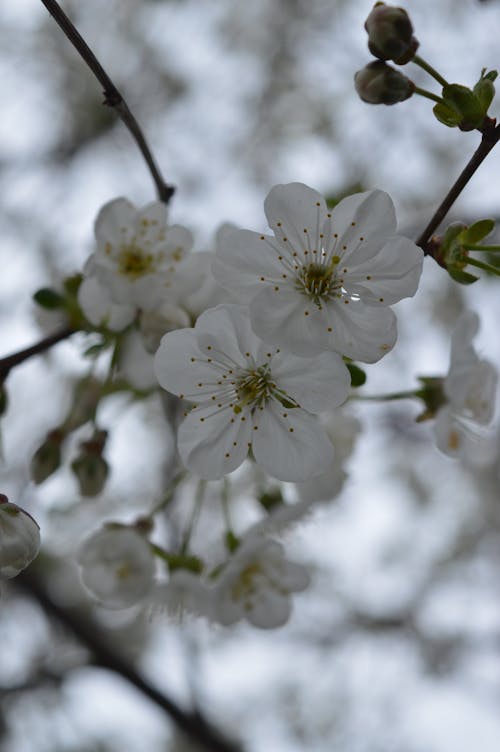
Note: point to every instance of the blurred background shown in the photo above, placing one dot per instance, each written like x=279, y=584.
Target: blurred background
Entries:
x=396, y=645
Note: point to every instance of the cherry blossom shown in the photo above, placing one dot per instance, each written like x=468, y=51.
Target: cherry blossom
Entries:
x=117, y=566
x=470, y=388
x=327, y=279
x=256, y=585
x=137, y=253
x=246, y=394
x=19, y=538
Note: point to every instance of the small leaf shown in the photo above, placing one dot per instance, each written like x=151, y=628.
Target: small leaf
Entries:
x=358, y=376
x=463, y=101
x=460, y=276
x=479, y=230
x=446, y=115
x=48, y=298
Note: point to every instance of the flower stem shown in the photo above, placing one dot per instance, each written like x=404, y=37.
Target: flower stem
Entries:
x=428, y=95
x=481, y=265
x=429, y=69
x=485, y=248
x=198, y=501
x=410, y=394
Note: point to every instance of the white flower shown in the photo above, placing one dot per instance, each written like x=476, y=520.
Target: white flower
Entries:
x=470, y=388
x=99, y=308
x=19, y=539
x=248, y=394
x=325, y=281
x=184, y=593
x=117, y=566
x=342, y=429
x=137, y=252
x=256, y=585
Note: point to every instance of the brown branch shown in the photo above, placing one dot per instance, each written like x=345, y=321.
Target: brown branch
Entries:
x=10, y=361
x=490, y=137
x=192, y=724
x=112, y=97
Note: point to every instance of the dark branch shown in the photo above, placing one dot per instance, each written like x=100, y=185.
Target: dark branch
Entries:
x=112, y=97
x=490, y=138
x=193, y=725
x=10, y=361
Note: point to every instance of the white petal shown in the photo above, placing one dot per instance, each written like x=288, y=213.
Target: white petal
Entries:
x=269, y=609
x=214, y=442
x=136, y=363
x=391, y=274
x=361, y=332
x=115, y=223
x=290, y=444
x=287, y=319
x=371, y=212
x=296, y=212
x=177, y=243
x=99, y=308
x=242, y=258
x=176, y=370
x=324, y=487
x=449, y=433
x=318, y=383
x=226, y=329
x=150, y=223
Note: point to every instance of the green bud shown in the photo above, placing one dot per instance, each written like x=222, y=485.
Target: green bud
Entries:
x=47, y=457
x=90, y=467
x=379, y=83
x=48, y=298
x=358, y=376
x=390, y=34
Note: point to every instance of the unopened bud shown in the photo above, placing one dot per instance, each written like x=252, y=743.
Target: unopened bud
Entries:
x=379, y=83
x=47, y=457
x=90, y=467
x=19, y=538
x=390, y=34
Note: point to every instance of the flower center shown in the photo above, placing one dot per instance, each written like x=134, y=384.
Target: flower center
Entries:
x=245, y=585
x=319, y=282
x=254, y=388
x=133, y=262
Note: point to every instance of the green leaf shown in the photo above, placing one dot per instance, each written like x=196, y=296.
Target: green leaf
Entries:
x=484, y=91
x=460, y=276
x=479, y=230
x=48, y=298
x=446, y=115
x=358, y=376
x=71, y=284
x=463, y=101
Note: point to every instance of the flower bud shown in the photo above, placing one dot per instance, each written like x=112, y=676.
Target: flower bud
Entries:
x=19, y=538
x=47, y=457
x=379, y=83
x=90, y=467
x=390, y=34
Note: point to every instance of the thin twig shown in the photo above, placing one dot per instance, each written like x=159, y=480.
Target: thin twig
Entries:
x=112, y=97
x=10, y=361
x=488, y=141
x=193, y=725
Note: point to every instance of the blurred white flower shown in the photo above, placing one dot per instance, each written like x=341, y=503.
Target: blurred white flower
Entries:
x=470, y=388
x=325, y=281
x=342, y=429
x=256, y=585
x=137, y=253
x=247, y=394
x=184, y=593
x=117, y=566
x=19, y=539
x=99, y=308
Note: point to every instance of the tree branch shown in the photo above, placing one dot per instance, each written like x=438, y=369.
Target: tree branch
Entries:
x=490, y=137
x=10, y=361
x=112, y=97
x=192, y=724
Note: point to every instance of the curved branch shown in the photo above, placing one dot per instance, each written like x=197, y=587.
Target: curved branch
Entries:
x=112, y=97
x=10, y=361
x=192, y=724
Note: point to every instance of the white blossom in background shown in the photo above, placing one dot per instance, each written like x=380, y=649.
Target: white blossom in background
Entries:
x=256, y=585
x=138, y=254
x=326, y=279
x=185, y=594
x=19, y=539
x=343, y=429
x=246, y=394
x=99, y=308
x=470, y=388
x=117, y=566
